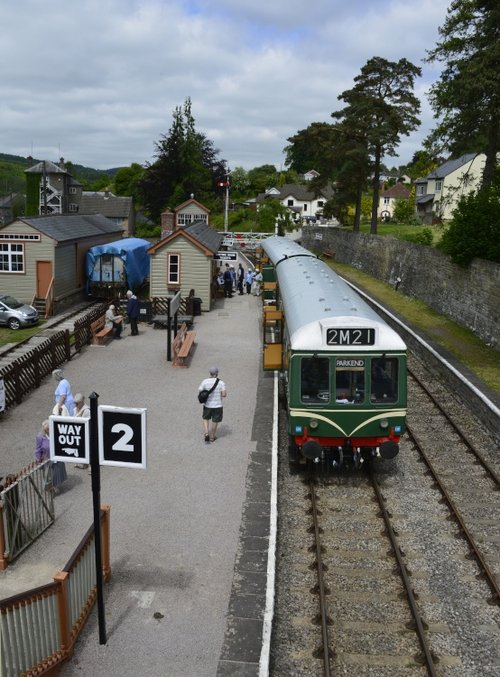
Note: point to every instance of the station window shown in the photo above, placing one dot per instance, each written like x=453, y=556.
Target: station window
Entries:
x=349, y=380
x=174, y=269
x=315, y=380
x=384, y=380
x=11, y=258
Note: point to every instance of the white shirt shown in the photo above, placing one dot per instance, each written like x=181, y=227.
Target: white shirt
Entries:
x=215, y=398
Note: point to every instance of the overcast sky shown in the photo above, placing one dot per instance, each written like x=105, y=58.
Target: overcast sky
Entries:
x=97, y=81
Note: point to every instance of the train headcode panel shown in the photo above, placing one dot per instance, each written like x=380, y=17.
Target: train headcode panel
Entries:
x=122, y=436
x=350, y=336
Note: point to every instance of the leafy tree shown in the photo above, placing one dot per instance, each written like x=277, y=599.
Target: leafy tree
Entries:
x=271, y=212
x=475, y=228
x=467, y=94
x=262, y=177
x=380, y=108
x=127, y=179
x=186, y=164
x=240, y=183
x=404, y=209
x=313, y=148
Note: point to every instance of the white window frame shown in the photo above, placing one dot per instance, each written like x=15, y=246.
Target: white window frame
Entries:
x=172, y=277
x=439, y=185
x=10, y=250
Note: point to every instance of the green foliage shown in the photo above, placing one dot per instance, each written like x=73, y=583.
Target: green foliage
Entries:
x=147, y=231
x=271, y=212
x=466, y=96
x=12, y=178
x=186, y=164
x=404, y=210
x=127, y=180
x=421, y=235
x=475, y=229
x=32, y=198
x=380, y=108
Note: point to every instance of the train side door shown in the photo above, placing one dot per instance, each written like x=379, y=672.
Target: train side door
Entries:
x=273, y=339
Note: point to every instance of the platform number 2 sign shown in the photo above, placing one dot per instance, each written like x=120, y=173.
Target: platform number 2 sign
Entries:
x=122, y=436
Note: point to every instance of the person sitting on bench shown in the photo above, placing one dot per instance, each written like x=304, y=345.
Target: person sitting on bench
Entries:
x=114, y=322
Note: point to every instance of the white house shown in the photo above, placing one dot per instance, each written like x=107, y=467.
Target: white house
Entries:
x=302, y=202
x=438, y=193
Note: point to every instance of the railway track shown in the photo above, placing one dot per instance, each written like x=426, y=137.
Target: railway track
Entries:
x=365, y=623
x=463, y=475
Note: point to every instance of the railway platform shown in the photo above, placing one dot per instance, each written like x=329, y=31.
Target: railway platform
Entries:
x=189, y=534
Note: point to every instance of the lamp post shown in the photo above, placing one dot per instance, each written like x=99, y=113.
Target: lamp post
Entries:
x=226, y=205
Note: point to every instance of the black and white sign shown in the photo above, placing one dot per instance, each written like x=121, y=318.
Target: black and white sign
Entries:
x=69, y=439
x=122, y=436
x=226, y=256
x=350, y=336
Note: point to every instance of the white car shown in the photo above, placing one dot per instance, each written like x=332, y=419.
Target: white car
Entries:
x=15, y=314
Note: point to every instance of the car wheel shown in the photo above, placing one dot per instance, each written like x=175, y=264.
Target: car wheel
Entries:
x=14, y=323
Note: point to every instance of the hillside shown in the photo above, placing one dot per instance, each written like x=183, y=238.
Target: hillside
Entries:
x=12, y=178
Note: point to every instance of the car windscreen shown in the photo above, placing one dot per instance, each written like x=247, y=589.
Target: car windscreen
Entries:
x=11, y=302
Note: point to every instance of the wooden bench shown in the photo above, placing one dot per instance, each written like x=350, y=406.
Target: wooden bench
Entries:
x=99, y=332
x=328, y=253
x=182, y=346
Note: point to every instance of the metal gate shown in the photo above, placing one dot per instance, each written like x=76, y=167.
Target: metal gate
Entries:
x=26, y=509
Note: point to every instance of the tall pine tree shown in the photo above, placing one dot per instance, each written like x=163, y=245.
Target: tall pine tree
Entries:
x=467, y=95
x=380, y=108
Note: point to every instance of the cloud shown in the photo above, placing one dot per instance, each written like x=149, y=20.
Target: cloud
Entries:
x=97, y=82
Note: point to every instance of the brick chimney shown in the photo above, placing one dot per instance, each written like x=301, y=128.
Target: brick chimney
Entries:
x=167, y=223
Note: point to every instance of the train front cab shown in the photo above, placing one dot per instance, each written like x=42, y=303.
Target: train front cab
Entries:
x=345, y=408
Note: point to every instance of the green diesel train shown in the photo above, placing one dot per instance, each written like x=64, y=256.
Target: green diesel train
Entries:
x=343, y=367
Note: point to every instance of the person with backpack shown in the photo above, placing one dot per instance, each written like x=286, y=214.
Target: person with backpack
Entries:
x=212, y=403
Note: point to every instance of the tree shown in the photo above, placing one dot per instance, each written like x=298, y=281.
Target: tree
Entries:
x=127, y=179
x=186, y=164
x=475, y=228
x=313, y=148
x=262, y=177
x=467, y=94
x=380, y=108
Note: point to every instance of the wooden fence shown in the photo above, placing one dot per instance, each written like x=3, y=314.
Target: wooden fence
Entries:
x=26, y=510
x=27, y=372
x=39, y=628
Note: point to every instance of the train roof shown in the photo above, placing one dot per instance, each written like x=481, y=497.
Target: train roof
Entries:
x=315, y=300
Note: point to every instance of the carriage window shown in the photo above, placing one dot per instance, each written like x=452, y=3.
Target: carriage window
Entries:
x=349, y=381
x=384, y=380
x=315, y=379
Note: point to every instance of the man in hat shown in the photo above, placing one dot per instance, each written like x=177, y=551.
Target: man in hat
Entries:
x=212, y=408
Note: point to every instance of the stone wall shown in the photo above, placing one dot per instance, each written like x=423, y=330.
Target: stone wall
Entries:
x=469, y=296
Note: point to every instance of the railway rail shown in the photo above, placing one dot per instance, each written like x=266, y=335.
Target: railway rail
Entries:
x=445, y=521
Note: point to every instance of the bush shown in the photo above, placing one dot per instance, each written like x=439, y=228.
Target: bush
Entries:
x=423, y=236
x=475, y=229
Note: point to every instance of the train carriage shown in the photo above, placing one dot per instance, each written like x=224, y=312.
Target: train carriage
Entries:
x=344, y=368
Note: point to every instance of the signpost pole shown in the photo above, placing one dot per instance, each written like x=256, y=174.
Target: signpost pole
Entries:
x=169, y=335
x=96, y=501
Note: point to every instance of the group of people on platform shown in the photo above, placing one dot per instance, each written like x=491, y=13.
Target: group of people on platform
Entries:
x=231, y=280
x=65, y=404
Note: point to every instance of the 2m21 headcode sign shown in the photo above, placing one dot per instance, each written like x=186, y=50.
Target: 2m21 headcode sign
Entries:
x=350, y=336
x=122, y=436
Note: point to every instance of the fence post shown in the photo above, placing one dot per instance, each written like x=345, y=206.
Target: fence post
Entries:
x=61, y=578
x=67, y=344
x=3, y=560
x=105, y=540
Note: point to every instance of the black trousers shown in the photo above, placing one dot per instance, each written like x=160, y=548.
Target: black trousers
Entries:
x=133, y=326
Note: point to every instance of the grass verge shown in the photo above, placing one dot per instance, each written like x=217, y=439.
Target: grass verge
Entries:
x=462, y=343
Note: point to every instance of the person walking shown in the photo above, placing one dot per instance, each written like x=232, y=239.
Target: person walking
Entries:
x=113, y=321
x=212, y=408
x=82, y=410
x=63, y=397
x=132, y=312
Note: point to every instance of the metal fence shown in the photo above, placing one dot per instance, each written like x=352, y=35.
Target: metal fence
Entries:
x=26, y=510
x=39, y=628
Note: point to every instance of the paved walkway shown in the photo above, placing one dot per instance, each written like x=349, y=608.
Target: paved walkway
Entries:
x=175, y=527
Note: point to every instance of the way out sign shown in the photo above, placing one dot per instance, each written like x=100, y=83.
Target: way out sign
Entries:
x=122, y=436
x=69, y=439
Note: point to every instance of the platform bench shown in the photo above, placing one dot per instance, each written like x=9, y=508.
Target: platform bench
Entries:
x=183, y=344
x=100, y=334
x=328, y=253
